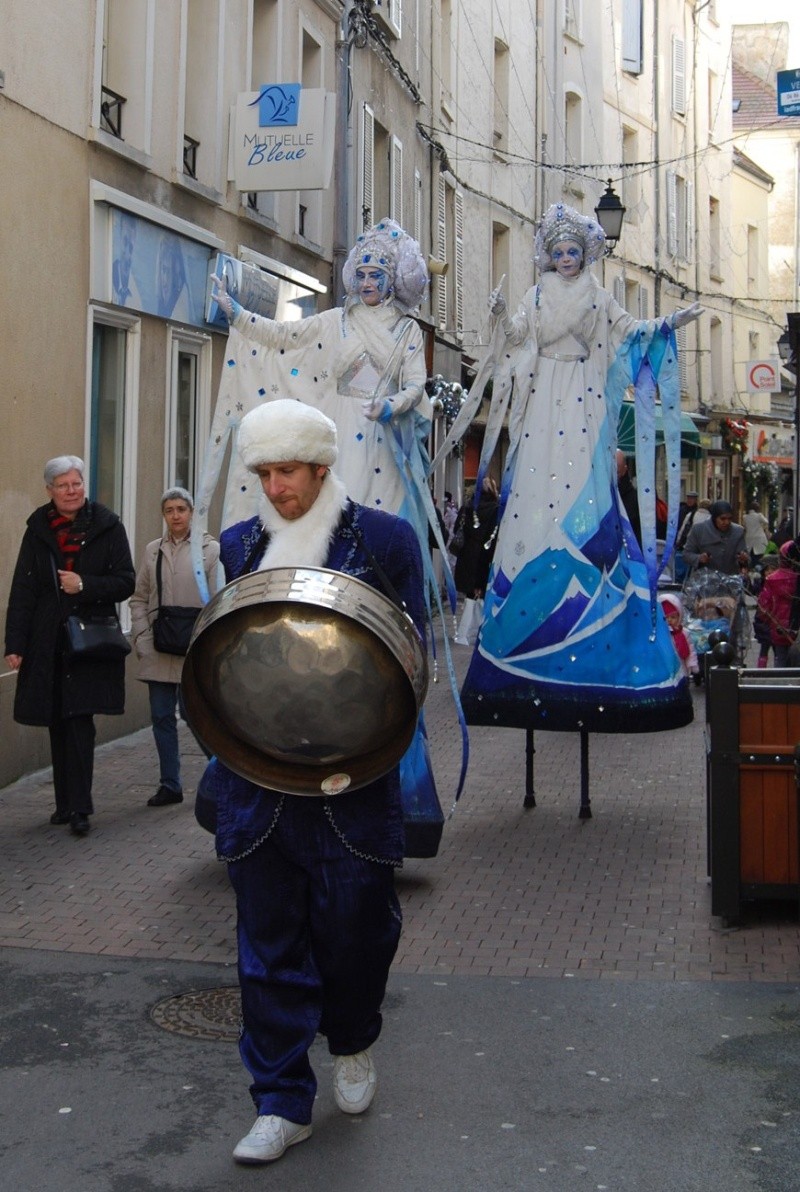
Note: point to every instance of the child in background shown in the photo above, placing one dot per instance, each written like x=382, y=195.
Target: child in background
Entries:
x=684, y=646
x=761, y=626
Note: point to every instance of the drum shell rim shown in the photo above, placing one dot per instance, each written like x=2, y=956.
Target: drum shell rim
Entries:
x=330, y=590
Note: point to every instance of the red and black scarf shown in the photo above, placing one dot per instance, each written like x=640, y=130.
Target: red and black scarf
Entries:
x=70, y=534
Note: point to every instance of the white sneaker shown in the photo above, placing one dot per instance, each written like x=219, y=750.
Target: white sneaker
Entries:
x=269, y=1138
x=354, y=1081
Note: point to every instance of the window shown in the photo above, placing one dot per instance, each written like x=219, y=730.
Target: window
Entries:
x=396, y=181
x=632, y=36
x=753, y=340
x=389, y=14
x=449, y=304
x=202, y=66
x=264, y=69
x=376, y=169
x=446, y=52
x=680, y=226
x=501, y=259
x=715, y=357
x=367, y=170
x=501, y=95
x=310, y=202
x=678, y=76
x=713, y=103
x=683, y=364
x=714, y=246
x=631, y=185
x=752, y=257
x=125, y=70
x=112, y=403
x=573, y=128
x=188, y=406
x=572, y=17
x=417, y=233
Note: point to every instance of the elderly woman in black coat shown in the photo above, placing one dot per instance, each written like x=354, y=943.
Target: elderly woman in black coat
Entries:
x=74, y=558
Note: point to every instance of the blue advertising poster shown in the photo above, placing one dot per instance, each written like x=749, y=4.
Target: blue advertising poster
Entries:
x=789, y=92
x=156, y=271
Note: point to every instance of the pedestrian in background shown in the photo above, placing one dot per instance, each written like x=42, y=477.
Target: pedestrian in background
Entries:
x=160, y=671
x=756, y=533
x=74, y=559
x=718, y=542
x=474, y=559
x=778, y=602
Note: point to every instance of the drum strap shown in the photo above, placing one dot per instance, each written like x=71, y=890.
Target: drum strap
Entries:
x=386, y=583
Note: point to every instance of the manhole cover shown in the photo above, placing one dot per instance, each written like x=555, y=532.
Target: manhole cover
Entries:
x=207, y=1014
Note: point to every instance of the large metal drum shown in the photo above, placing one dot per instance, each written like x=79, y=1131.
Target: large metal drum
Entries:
x=304, y=680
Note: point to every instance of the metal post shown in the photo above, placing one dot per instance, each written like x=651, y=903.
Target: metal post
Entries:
x=793, y=318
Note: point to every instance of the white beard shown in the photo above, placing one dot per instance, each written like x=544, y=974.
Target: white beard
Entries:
x=304, y=542
x=566, y=307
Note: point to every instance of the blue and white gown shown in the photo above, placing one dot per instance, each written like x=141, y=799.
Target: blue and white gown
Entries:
x=572, y=638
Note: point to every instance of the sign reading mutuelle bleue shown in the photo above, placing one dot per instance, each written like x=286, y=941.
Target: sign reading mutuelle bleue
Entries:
x=283, y=138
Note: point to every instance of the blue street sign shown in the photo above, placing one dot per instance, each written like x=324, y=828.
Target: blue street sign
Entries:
x=789, y=92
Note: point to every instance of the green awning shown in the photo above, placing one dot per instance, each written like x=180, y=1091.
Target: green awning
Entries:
x=626, y=434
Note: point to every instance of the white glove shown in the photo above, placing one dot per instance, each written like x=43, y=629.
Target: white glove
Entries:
x=497, y=303
x=681, y=317
x=377, y=409
x=221, y=296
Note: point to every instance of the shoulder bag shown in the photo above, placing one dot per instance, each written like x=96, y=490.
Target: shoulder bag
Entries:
x=92, y=636
x=173, y=624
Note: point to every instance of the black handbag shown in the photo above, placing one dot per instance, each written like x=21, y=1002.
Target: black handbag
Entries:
x=173, y=624
x=96, y=639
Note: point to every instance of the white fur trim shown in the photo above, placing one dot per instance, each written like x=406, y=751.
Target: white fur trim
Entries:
x=278, y=431
x=304, y=542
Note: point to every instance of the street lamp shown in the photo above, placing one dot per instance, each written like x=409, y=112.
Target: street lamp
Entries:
x=610, y=214
x=793, y=319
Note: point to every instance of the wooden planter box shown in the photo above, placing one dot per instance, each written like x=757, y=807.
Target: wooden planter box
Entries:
x=753, y=752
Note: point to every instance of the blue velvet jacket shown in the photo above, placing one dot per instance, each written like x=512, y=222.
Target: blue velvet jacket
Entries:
x=370, y=819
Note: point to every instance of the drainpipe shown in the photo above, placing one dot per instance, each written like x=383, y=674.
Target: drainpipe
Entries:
x=657, y=159
x=342, y=156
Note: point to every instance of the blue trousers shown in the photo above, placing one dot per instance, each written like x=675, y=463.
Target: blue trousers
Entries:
x=163, y=698
x=318, y=927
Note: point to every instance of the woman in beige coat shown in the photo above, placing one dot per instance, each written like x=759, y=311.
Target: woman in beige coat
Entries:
x=162, y=672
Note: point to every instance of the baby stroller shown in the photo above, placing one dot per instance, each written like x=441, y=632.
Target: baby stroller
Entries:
x=715, y=603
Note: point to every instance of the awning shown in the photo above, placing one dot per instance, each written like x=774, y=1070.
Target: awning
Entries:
x=626, y=434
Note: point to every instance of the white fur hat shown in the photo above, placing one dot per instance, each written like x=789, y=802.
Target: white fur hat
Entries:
x=278, y=431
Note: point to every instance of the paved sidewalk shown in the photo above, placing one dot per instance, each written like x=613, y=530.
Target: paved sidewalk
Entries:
x=563, y=1012
x=513, y=892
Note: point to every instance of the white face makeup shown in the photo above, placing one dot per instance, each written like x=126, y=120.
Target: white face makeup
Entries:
x=567, y=258
x=372, y=284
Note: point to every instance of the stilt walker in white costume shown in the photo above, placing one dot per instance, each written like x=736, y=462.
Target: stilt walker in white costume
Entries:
x=362, y=364
x=572, y=638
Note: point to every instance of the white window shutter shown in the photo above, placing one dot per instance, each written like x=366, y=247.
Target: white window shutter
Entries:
x=397, y=181
x=459, y=271
x=632, y=36
x=441, y=252
x=679, y=75
x=689, y=214
x=618, y=290
x=683, y=366
x=396, y=15
x=644, y=303
x=367, y=167
x=418, y=206
x=672, y=213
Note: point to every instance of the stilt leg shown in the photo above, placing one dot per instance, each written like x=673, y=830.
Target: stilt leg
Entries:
x=585, y=809
x=530, y=797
